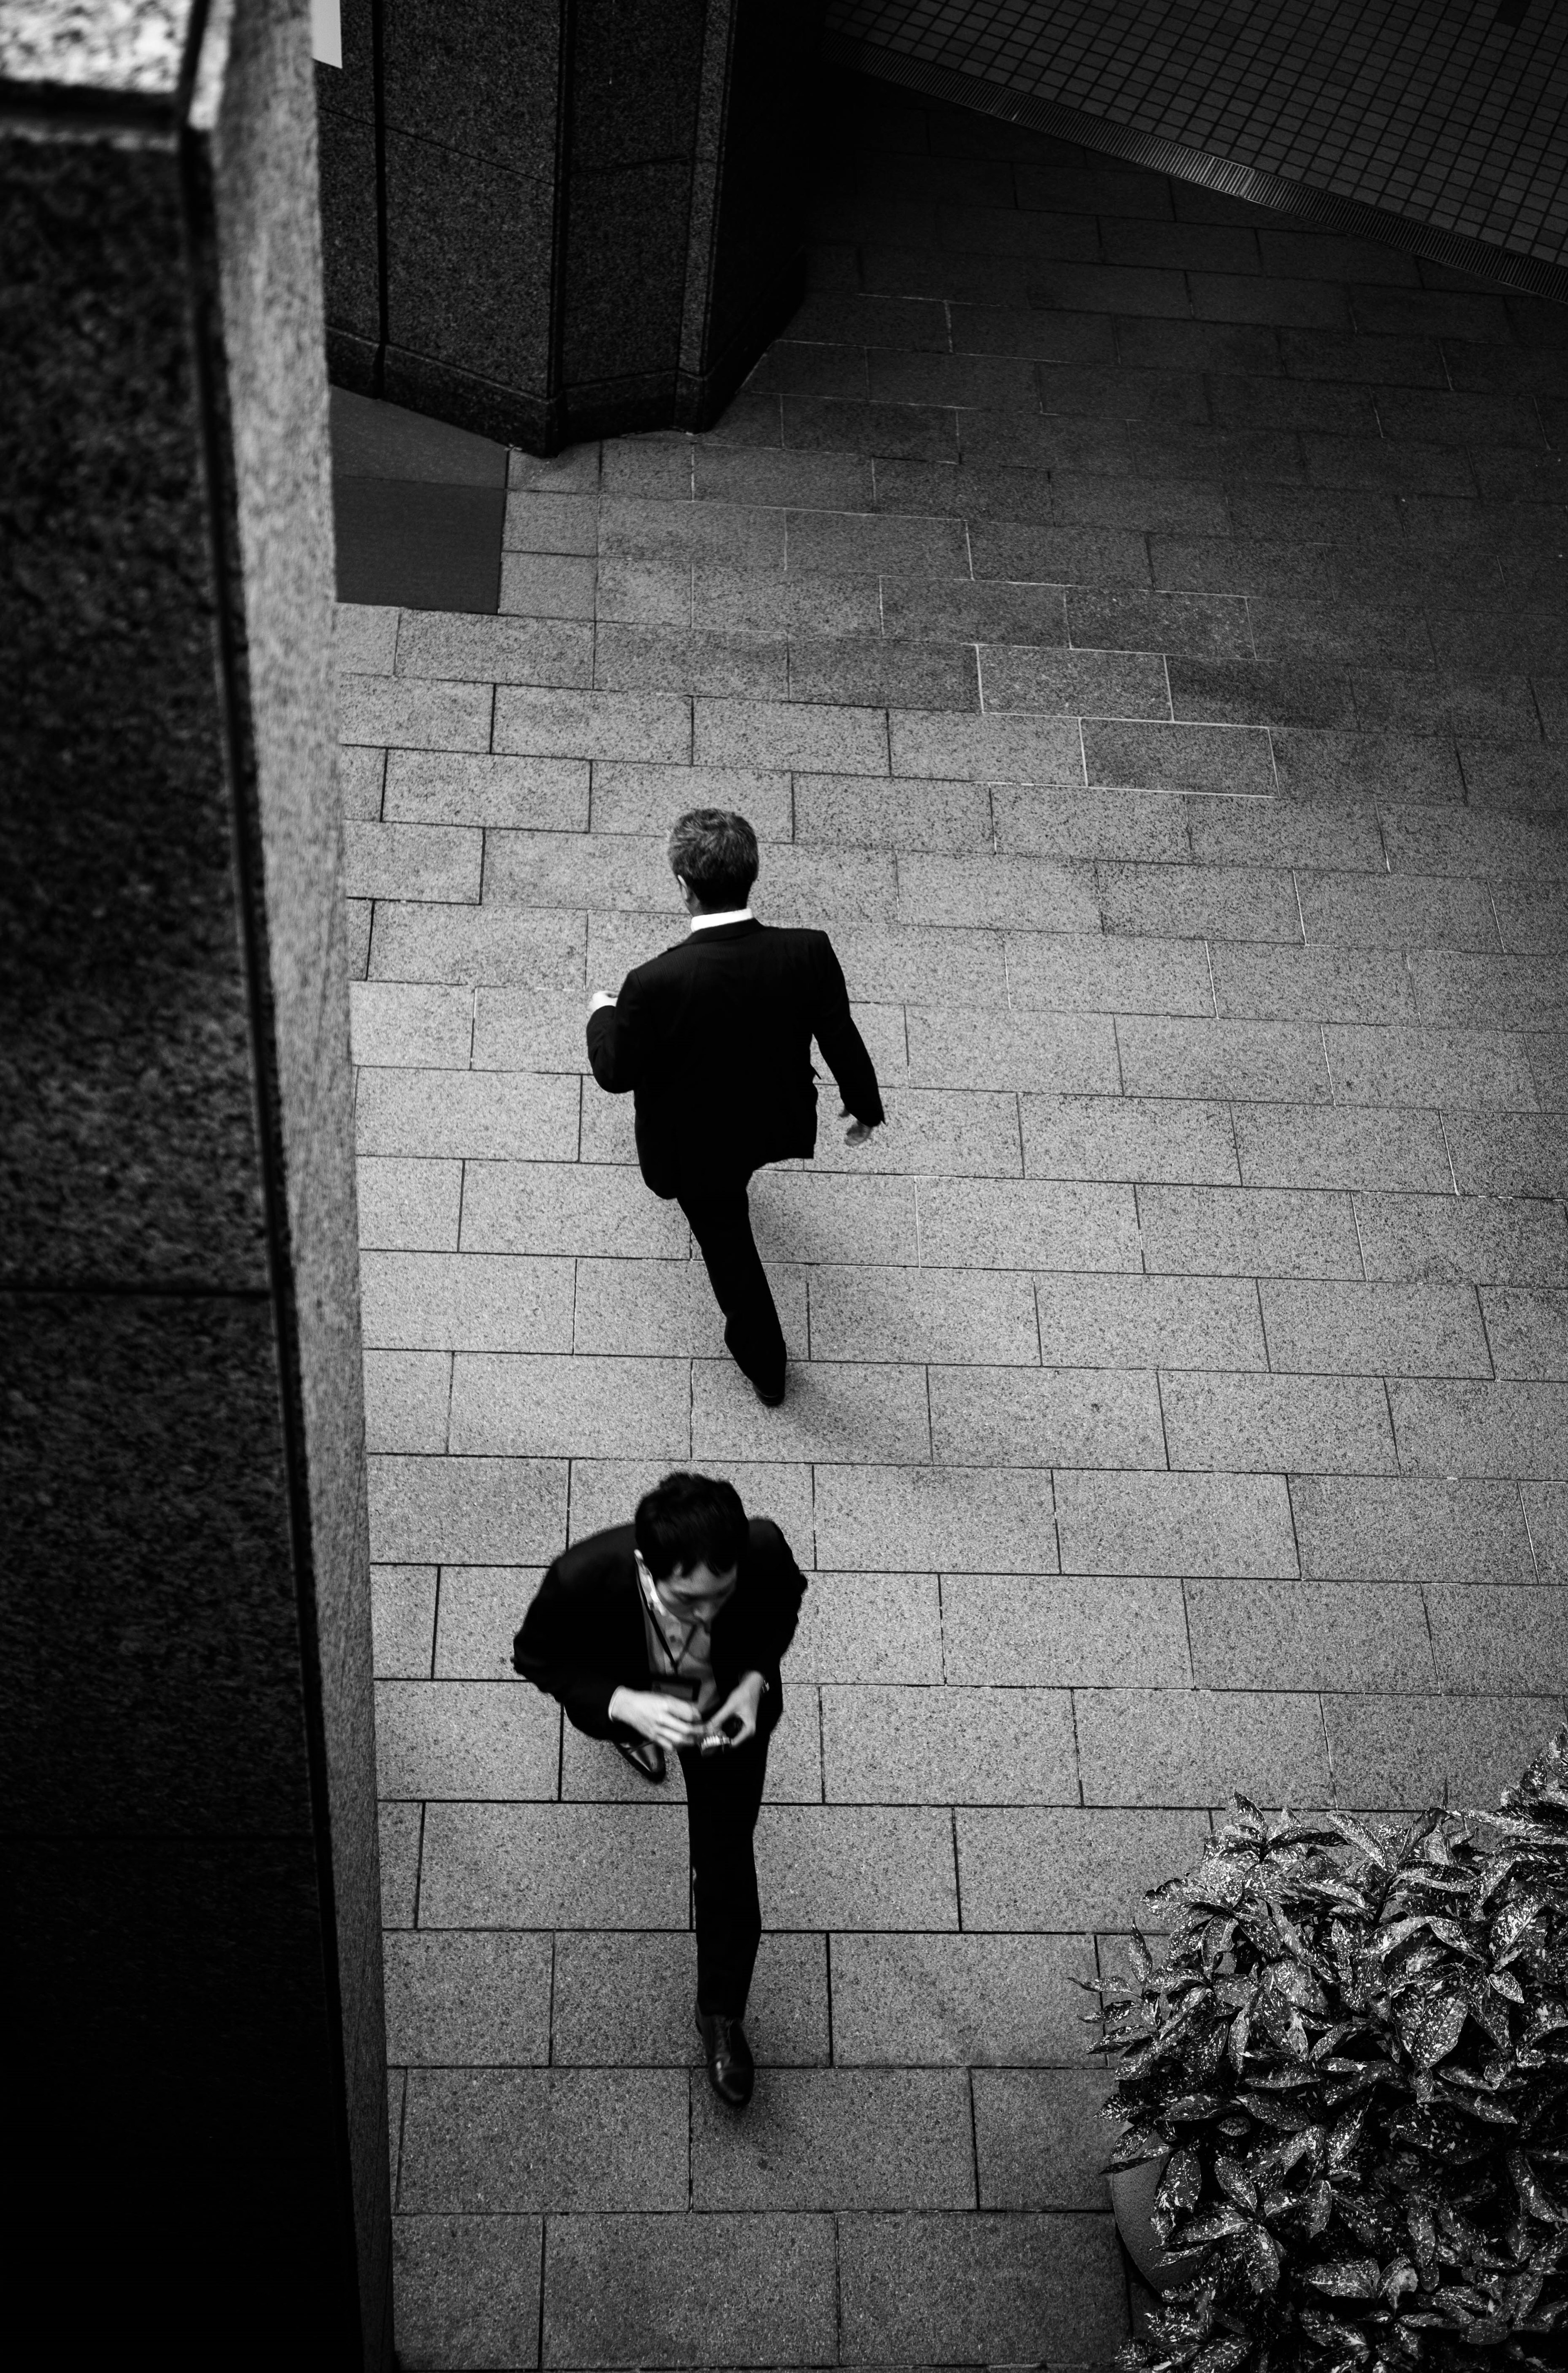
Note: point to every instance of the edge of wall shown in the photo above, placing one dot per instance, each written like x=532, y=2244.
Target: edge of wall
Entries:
x=1350, y=216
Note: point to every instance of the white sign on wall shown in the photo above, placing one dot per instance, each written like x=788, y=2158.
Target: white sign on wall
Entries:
x=327, y=32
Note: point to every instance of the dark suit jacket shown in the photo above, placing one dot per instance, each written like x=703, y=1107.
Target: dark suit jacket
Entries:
x=582, y=1637
x=713, y=1037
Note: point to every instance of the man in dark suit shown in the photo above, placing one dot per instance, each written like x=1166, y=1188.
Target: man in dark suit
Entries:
x=714, y=1038
x=667, y=1633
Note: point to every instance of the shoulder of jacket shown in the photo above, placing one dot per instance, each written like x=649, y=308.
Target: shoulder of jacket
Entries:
x=595, y=1555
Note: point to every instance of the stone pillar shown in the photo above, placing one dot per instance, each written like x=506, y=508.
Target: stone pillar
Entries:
x=196, y=2106
x=553, y=220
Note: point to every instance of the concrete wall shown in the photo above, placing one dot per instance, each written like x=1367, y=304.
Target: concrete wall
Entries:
x=189, y=1755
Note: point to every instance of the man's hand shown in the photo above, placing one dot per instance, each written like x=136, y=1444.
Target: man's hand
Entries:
x=858, y=1131
x=598, y=999
x=744, y=1700
x=668, y=1722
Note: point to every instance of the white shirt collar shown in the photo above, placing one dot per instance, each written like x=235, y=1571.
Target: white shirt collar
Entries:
x=732, y=915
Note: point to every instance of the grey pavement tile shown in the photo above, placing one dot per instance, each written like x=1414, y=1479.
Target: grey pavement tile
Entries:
x=725, y=2290
x=1509, y=1153
x=473, y=1511
x=1075, y=1868
x=358, y=915
x=1308, y=1635
x=1074, y=683
x=1209, y=624
x=1374, y=1330
x=407, y=1395
x=614, y=870
x=822, y=740
x=812, y=1215
x=531, y=722
x=500, y=2139
x=834, y=1410
x=1467, y=1069
x=921, y=1746
x=427, y=1025
x=1527, y=1333
x=509, y=1405
x=644, y=592
x=1150, y=1322
x=944, y=967
x=1473, y=1429
x=1008, y=1223
x=1040, y=2137
x=527, y=1029
x=1548, y=1053
x=868, y=1627
x=1532, y=915
x=490, y=1115
x=1447, y=1528
x=1107, y=976
x=1313, y=766
x=953, y=1046
x=1184, y=757
x=439, y=863
x=1514, y=1641
x=928, y=1314
x=1284, y=832
x=635, y=527
x=467, y=2001
x=947, y=610
x=479, y=1741
x=957, y=1132
x=860, y=812
x=1276, y=1062
x=1127, y=1138
x=395, y=712
x=1199, y=1746
x=1002, y=1631
x=1360, y=910
x=665, y=1308
x=548, y=650
x=847, y=542
x=1489, y=1240
x=894, y=2138
x=604, y=1491
x=881, y=1519
x=986, y=749
x=480, y=1609
x=551, y=521
x=1149, y=825
x=1173, y=1525
x=1208, y=902
x=547, y=585
x=1405, y=1753
x=476, y=943
x=564, y=1208
x=948, y=2002
x=1428, y=840
x=364, y=638
x=467, y=2290
x=554, y=1866
x=1045, y=1416
x=398, y=1829
x=1022, y=893
x=1262, y=692
x=922, y=2289
x=1346, y=985
x=647, y=800
x=1252, y=1425
x=626, y=2001
x=465, y=1302
x=1545, y=1509
x=913, y=674
x=402, y=1621
x=1287, y=1145
x=1247, y=1231
x=857, y=1866
x=684, y=659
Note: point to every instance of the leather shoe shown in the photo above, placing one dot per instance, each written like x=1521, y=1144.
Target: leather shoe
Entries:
x=731, y=2067
x=644, y=1756
x=769, y=1395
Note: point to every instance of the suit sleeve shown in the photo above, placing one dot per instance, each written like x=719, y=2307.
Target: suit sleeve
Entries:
x=616, y=1035
x=554, y=1652
x=779, y=1610
x=843, y=1048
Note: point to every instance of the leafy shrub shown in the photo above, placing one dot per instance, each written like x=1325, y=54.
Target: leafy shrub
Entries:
x=1355, y=2051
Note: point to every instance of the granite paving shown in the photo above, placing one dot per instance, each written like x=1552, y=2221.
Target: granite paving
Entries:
x=1133, y=624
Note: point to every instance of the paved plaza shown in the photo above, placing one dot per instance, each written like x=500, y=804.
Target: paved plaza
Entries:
x=1133, y=622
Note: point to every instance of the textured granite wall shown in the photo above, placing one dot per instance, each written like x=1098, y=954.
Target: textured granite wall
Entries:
x=551, y=219
x=188, y=1750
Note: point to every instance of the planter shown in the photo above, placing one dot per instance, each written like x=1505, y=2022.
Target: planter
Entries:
x=1133, y=2198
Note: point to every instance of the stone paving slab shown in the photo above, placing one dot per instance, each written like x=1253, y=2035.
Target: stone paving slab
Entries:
x=1168, y=721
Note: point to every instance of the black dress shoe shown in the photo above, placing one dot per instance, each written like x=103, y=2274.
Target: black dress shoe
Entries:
x=644, y=1756
x=769, y=1395
x=731, y=2067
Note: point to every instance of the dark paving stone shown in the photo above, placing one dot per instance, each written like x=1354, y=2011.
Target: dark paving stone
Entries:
x=418, y=545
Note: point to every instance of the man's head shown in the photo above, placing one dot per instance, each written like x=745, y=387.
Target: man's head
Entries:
x=713, y=856
x=690, y=1532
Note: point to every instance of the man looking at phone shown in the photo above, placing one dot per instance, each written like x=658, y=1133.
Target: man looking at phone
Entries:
x=666, y=1634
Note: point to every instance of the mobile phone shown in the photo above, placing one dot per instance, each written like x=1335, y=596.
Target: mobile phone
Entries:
x=725, y=1735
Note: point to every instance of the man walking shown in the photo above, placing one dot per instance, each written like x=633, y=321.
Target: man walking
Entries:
x=667, y=1633
x=713, y=1038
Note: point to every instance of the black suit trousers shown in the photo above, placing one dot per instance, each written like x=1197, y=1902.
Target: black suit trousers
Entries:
x=721, y=1219
x=723, y=1792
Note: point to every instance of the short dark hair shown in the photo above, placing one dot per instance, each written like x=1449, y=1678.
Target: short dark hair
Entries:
x=716, y=852
x=690, y=1520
